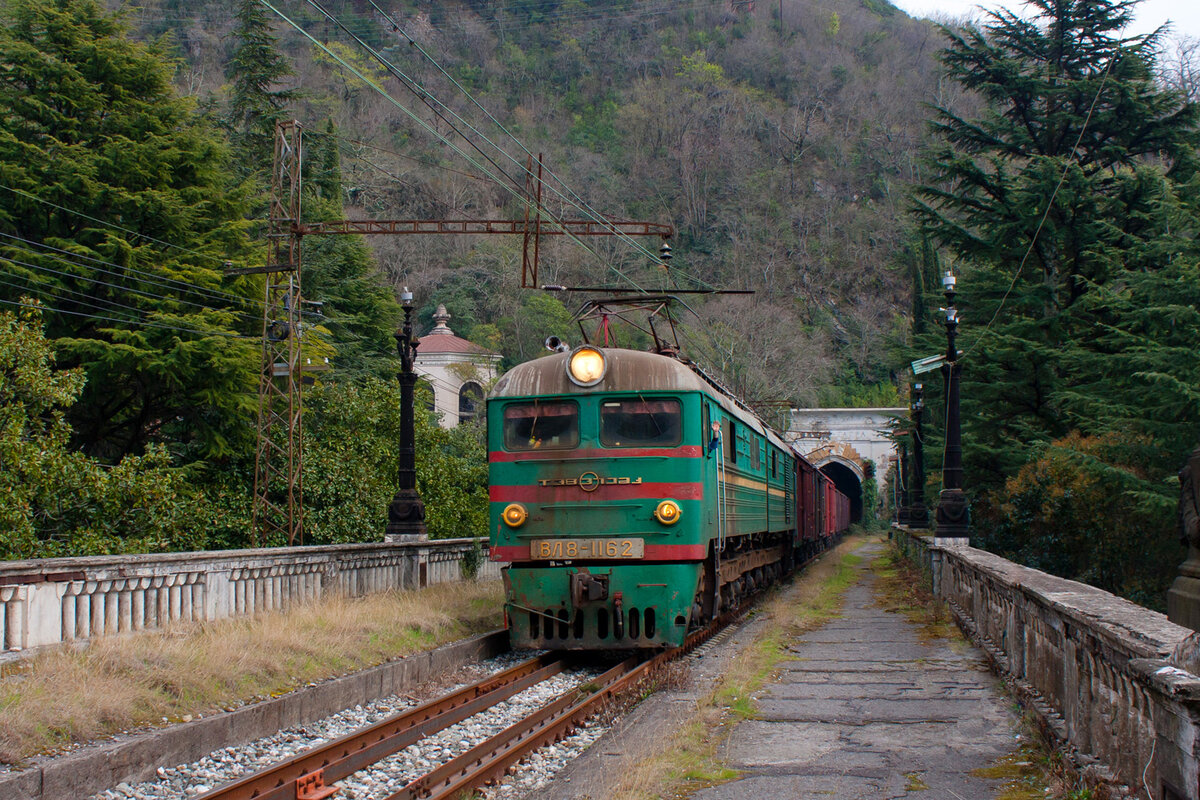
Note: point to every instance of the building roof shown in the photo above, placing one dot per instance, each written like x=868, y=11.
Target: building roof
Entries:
x=443, y=340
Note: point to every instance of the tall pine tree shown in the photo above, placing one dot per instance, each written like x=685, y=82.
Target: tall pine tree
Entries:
x=1057, y=206
x=117, y=211
x=256, y=102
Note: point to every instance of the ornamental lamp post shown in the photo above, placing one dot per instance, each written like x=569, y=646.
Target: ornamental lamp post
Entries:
x=918, y=515
x=406, y=512
x=953, y=513
x=903, y=511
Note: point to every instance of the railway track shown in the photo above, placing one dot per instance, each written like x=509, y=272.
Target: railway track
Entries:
x=311, y=775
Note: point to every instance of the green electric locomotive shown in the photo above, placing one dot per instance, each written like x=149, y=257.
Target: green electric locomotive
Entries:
x=634, y=499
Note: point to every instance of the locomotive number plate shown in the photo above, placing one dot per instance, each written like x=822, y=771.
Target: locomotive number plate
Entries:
x=558, y=549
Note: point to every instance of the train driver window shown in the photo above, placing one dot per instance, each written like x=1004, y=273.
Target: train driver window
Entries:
x=641, y=423
x=541, y=425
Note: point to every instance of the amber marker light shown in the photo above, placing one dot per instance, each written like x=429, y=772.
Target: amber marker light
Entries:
x=586, y=366
x=667, y=512
x=515, y=515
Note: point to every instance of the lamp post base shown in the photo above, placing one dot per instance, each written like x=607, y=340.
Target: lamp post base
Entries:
x=1183, y=598
x=918, y=516
x=953, y=519
x=406, y=518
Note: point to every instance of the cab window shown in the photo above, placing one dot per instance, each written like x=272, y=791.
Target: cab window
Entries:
x=541, y=425
x=641, y=423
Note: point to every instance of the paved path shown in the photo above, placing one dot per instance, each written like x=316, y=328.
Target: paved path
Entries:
x=868, y=710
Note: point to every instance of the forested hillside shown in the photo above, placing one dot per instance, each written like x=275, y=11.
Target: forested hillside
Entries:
x=780, y=153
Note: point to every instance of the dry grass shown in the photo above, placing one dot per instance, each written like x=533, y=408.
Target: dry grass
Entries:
x=61, y=697
x=689, y=760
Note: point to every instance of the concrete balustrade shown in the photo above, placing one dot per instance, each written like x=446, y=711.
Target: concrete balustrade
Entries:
x=1114, y=680
x=50, y=601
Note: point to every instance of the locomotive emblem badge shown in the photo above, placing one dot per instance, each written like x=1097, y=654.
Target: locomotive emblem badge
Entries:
x=589, y=481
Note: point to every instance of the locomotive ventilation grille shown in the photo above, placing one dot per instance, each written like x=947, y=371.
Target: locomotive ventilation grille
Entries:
x=557, y=625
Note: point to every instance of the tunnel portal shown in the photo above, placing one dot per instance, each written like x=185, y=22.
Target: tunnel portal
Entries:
x=848, y=483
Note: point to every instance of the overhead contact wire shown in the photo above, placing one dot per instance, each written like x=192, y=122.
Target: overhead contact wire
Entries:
x=144, y=323
x=574, y=199
x=425, y=96
x=113, y=225
x=422, y=123
x=115, y=286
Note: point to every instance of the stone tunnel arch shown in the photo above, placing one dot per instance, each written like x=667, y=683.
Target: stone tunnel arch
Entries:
x=847, y=477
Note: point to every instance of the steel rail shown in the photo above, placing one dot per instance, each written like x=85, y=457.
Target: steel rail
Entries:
x=490, y=760
x=308, y=775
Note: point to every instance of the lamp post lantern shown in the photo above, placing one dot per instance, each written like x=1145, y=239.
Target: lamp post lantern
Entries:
x=406, y=512
x=953, y=513
x=918, y=515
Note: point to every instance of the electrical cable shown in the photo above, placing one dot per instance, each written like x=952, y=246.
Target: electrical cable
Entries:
x=574, y=199
x=118, y=287
x=417, y=90
x=113, y=225
x=424, y=95
x=429, y=129
x=149, y=277
x=424, y=161
x=1049, y=205
x=144, y=323
x=91, y=300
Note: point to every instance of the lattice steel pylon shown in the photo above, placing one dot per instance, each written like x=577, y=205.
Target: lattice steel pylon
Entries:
x=278, y=464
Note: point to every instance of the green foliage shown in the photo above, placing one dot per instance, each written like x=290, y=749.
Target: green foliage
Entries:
x=857, y=395
x=255, y=70
x=94, y=137
x=1078, y=508
x=56, y=502
x=358, y=312
x=870, y=495
x=351, y=463
x=1067, y=207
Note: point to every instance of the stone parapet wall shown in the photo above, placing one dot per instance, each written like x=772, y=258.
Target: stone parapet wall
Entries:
x=1113, y=679
x=50, y=601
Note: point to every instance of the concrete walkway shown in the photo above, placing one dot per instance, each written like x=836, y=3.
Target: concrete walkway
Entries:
x=868, y=710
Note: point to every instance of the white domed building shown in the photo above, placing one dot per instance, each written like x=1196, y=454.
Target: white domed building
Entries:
x=458, y=371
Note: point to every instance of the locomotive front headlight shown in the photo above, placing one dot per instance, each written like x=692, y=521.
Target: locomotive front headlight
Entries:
x=586, y=366
x=514, y=515
x=668, y=512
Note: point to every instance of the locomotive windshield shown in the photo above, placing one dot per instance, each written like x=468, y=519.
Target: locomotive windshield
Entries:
x=538, y=425
x=640, y=423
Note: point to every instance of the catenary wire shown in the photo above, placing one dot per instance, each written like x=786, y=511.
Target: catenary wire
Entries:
x=570, y=197
x=417, y=90
x=94, y=302
x=113, y=224
x=118, y=287
x=148, y=277
x=429, y=129
x=423, y=94
x=573, y=199
x=144, y=323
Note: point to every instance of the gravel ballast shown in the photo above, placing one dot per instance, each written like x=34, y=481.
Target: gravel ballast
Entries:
x=388, y=776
